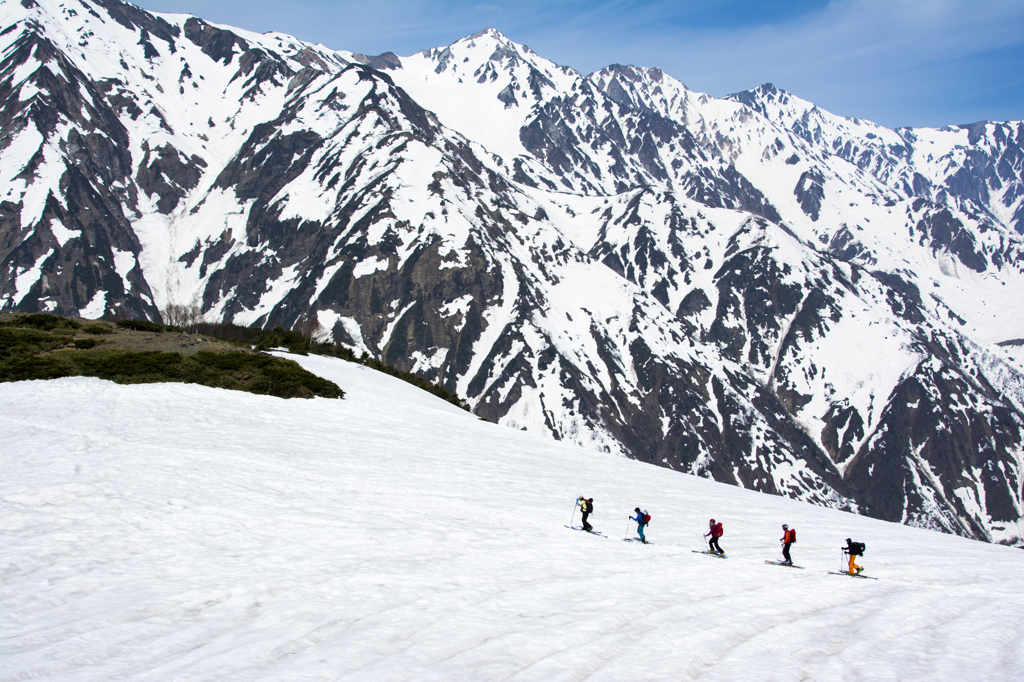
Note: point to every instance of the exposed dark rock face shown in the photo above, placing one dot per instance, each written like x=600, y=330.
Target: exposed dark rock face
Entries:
x=942, y=231
x=631, y=279
x=845, y=246
x=165, y=173
x=918, y=465
x=216, y=43
x=76, y=267
x=809, y=192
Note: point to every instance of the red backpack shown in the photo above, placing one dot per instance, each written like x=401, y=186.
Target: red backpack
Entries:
x=718, y=532
x=647, y=518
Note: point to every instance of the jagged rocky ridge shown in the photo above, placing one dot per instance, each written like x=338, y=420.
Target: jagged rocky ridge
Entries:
x=746, y=288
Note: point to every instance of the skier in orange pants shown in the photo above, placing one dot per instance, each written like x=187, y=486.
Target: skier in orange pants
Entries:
x=854, y=549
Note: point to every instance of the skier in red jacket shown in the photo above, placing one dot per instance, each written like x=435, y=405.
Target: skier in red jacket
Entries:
x=714, y=532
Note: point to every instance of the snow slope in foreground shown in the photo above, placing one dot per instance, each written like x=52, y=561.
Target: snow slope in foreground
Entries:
x=178, y=532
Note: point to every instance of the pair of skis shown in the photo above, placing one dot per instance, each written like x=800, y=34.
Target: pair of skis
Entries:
x=783, y=563
x=852, y=575
x=602, y=535
x=848, y=575
x=592, y=532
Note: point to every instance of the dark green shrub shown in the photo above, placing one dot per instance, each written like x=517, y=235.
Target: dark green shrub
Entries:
x=15, y=342
x=141, y=326
x=231, y=362
x=130, y=367
x=43, y=321
x=281, y=338
x=243, y=336
x=97, y=329
x=25, y=342
x=51, y=366
x=252, y=372
x=287, y=376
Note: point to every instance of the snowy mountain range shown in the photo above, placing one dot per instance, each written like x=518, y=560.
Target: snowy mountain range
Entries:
x=746, y=288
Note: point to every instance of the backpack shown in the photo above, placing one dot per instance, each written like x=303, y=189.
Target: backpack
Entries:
x=647, y=518
x=719, y=531
x=857, y=548
x=792, y=535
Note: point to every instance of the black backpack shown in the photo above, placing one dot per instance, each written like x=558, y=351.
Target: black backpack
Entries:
x=857, y=548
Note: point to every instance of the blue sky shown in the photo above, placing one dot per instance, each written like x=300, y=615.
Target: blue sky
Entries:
x=896, y=62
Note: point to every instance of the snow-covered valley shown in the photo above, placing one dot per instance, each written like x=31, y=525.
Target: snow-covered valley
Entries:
x=166, y=531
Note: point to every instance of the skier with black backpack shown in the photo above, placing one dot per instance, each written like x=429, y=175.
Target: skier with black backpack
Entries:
x=854, y=549
x=587, y=508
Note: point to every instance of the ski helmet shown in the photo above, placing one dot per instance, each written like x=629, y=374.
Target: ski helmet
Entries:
x=636, y=509
x=785, y=527
x=712, y=521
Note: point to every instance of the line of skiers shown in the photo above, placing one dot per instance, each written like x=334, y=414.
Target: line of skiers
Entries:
x=716, y=530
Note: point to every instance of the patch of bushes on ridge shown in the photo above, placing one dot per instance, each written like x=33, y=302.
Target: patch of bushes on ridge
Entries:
x=302, y=344
x=413, y=379
x=235, y=370
x=44, y=322
x=33, y=347
x=260, y=339
x=144, y=326
x=30, y=335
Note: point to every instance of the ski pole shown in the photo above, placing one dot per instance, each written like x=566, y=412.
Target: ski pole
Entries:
x=627, y=529
x=574, y=505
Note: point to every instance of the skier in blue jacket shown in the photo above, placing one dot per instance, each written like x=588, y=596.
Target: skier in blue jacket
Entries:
x=640, y=523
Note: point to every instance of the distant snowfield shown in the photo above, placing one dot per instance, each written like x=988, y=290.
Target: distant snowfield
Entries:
x=177, y=532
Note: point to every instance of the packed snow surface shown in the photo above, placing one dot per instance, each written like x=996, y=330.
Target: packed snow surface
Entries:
x=178, y=532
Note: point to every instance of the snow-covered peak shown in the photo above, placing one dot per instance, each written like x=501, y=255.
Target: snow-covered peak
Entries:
x=483, y=85
x=487, y=46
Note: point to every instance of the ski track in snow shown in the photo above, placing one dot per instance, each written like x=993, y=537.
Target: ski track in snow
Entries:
x=168, y=531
